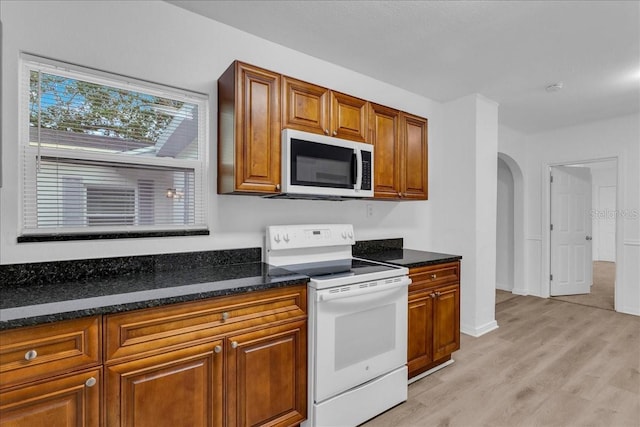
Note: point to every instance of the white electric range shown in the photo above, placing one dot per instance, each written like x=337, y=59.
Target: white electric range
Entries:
x=357, y=323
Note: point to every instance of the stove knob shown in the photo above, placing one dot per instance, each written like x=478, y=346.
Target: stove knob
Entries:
x=286, y=237
x=276, y=238
x=344, y=234
x=350, y=235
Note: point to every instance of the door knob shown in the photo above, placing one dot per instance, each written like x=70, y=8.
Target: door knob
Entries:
x=589, y=238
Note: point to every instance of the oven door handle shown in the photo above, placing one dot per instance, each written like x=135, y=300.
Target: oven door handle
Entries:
x=326, y=296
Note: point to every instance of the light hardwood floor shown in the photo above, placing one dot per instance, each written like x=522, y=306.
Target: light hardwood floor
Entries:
x=550, y=363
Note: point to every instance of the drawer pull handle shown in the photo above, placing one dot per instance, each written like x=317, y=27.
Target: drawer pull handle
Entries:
x=217, y=349
x=30, y=355
x=234, y=344
x=433, y=276
x=225, y=316
x=90, y=382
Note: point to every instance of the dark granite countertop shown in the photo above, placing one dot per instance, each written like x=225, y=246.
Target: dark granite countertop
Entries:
x=410, y=258
x=24, y=304
x=37, y=293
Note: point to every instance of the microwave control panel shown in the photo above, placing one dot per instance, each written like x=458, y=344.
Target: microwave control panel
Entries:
x=366, y=170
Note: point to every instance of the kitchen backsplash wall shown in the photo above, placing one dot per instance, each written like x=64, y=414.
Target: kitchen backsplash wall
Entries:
x=184, y=50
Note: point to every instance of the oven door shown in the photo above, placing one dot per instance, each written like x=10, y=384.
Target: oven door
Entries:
x=359, y=335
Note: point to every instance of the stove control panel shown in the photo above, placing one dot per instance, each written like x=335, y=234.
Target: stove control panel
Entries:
x=309, y=235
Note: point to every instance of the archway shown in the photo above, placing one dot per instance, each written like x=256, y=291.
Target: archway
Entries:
x=510, y=244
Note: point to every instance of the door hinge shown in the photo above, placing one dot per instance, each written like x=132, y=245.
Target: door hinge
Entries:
x=551, y=277
x=551, y=227
x=551, y=178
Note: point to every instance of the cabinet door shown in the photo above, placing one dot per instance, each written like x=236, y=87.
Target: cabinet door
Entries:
x=446, y=321
x=248, y=130
x=348, y=117
x=72, y=400
x=414, y=157
x=420, y=334
x=182, y=388
x=305, y=106
x=266, y=376
x=384, y=125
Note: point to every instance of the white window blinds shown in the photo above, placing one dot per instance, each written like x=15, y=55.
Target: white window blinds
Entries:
x=102, y=153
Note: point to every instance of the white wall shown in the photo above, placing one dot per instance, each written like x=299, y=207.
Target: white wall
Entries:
x=465, y=223
x=616, y=138
x=504, y=228
x=164, y=44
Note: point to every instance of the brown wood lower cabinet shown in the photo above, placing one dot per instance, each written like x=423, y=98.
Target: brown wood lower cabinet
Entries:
x=434, y=316
x=68, y=401
x=266, y=372
x=182, y=388
x=237, y=360
x=245, y=363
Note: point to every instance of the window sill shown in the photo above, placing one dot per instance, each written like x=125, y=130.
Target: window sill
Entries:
x=34, y=238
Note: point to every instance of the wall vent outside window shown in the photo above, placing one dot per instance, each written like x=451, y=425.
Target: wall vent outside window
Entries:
x=103, y=153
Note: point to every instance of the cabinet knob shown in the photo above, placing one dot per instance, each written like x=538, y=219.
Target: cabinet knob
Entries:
x=438, y=294
x=234, y=344
x=30, y=355
x=90, y=382
x=326, y=131
x=277, y=186
x=399, y=194
x=217, y=349
x=225, y=316
x=433, y=276
x=433, y=295
x=335, y=132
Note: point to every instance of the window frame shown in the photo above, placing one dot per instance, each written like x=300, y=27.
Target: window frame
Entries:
x=28, y=227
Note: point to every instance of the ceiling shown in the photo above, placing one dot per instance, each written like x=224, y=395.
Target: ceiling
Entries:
x=508, y=51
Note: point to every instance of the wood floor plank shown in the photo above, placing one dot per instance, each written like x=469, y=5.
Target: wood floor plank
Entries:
x=550, y=363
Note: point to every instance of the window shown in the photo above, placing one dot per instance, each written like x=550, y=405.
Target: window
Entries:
x=102, y=153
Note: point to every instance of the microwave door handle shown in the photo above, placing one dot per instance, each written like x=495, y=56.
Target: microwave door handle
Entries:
x=357, y=177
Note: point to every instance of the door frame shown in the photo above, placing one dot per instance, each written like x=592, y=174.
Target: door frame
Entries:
x=546, y=223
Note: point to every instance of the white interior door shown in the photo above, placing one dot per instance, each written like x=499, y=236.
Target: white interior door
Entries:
x=571, y=260
x=606, y=223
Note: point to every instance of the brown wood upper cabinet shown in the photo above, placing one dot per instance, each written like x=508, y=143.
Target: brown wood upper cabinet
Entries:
x=414, y=157
x=248, y=130
x=400, y=153
x=316, y=109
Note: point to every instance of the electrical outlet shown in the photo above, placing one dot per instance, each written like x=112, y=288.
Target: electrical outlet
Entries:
x=369, y=211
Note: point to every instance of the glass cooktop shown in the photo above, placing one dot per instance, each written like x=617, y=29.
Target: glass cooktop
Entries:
x=327, y=270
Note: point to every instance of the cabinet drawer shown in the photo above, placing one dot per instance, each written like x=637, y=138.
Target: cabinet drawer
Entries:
x=434, y=275
x=34, y=352
x=143, y=332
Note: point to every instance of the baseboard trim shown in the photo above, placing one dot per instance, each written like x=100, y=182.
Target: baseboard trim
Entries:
x=634, y=311
x=503, y=287
x=431, y=371
x=479, y=331
x=520, y=291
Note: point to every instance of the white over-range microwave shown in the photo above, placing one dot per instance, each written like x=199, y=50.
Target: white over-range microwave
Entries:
x=322, y=167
